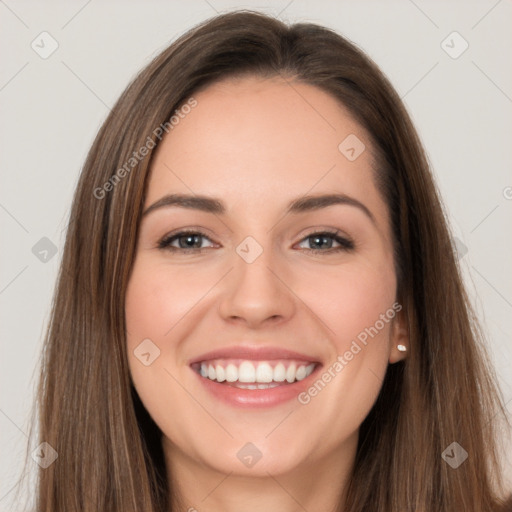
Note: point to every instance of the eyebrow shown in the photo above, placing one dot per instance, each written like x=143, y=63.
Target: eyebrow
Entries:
x=216, y=206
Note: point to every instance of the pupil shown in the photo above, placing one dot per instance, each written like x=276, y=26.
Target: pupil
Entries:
x=190, y=241
x=317, y=238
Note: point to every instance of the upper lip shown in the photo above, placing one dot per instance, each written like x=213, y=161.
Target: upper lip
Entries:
x=253, y=354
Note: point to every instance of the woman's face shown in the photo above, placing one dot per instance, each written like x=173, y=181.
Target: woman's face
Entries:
x=258, y=341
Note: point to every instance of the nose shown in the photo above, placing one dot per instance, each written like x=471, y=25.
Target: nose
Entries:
x=256, y=294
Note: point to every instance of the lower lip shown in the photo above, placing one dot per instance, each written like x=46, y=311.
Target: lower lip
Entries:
x=257, y=397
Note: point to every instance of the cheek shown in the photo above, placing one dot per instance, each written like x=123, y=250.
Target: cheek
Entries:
x=158, y=299
x=357, y=305
x=157, y=302
x=351, y=300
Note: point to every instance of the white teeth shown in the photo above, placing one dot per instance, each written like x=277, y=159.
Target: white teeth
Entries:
x=221, y=373
x=246, y=372
x=279, y=372
x=231, y=373
x=266, y=386
x=290, y=373
x=261, y=374
x=301, y=373
x=264, y=373
x=257, y=386
x=309, y=369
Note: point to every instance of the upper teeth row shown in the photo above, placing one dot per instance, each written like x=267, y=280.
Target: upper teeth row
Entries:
x=257, y=372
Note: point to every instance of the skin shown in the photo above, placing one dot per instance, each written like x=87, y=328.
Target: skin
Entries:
x=258, y=144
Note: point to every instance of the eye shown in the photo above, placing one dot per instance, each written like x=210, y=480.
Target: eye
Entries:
x=322, y=241
x=184, y=240
x=192, y=241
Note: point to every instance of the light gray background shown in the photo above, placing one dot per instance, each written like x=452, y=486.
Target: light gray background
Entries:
x=52, y=109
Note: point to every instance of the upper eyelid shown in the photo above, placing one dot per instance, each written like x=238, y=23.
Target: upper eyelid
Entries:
x=183, y=232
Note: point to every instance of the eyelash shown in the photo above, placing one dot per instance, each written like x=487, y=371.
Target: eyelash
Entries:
x=345, y=243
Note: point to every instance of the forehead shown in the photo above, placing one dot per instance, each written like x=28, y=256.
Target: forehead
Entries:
x=255, y=141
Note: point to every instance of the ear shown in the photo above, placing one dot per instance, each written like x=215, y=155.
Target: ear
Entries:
x=399, y=336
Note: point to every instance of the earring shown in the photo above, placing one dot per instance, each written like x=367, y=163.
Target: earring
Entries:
x=402, y=348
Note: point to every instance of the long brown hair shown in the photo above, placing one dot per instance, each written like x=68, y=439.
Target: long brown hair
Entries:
x=109, y=449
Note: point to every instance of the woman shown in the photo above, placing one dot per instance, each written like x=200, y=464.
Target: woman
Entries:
x=207, y=352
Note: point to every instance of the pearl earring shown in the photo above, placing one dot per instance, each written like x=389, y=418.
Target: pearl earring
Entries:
x=402, y=348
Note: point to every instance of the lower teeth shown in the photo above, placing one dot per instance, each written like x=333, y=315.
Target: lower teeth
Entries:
x=254, y=386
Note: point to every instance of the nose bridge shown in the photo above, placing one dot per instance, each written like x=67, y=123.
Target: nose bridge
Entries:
x=254, y=292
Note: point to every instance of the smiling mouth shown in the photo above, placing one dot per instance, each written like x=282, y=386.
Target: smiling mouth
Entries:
x=254, y=375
